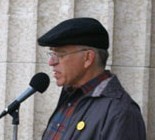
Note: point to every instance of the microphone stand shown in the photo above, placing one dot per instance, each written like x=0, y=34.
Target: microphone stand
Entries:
x=15, y=122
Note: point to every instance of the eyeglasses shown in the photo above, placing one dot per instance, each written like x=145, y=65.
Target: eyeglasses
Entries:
x=56, y=55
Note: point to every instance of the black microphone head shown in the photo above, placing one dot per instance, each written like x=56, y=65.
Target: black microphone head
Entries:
x=40, y=82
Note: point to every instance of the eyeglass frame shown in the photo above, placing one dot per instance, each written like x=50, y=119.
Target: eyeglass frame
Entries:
x=57, y=56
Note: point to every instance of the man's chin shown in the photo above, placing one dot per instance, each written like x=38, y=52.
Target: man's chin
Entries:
x=59, y=84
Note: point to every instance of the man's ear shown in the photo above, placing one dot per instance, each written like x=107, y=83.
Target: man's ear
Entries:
x=89, y=58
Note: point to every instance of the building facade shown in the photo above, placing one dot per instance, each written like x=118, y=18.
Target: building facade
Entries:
x=131, y=25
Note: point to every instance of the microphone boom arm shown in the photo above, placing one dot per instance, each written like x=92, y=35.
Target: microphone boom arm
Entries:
x=11, y=108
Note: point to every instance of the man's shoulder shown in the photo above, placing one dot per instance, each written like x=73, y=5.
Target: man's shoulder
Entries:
x=118, y=98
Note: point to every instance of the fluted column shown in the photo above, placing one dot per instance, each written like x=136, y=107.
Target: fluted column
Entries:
x=4, y=19
x=151, y=107
x=18, y=53
x=132, y=49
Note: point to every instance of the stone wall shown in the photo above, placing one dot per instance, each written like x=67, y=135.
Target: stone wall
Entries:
x=132, y=52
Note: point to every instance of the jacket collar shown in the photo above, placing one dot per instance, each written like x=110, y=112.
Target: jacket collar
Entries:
x=110, y=87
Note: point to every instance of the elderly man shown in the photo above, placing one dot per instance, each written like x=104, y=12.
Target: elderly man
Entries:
x=93, y=105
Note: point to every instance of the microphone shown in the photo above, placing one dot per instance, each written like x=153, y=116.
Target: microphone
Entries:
x=39, y=82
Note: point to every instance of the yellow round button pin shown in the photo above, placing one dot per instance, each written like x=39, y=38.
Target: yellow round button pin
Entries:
x=80, y=125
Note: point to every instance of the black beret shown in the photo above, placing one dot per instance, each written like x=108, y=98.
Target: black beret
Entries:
x=77, y=31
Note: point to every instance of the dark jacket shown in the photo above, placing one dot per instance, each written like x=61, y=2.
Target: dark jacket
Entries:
x=108, y=113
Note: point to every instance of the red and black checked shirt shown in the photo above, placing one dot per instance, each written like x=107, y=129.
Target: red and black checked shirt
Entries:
x=61, y=119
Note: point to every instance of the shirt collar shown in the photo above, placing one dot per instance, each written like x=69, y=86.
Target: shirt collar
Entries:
x=105, y=81
x=91, y=85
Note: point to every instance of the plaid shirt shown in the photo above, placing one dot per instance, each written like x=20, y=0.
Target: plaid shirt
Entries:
x=61, y=119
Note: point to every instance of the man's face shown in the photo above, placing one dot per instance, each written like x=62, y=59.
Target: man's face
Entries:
x=69, y=69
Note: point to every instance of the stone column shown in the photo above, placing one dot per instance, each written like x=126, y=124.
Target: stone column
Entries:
x=151, y=107
x=3, y=59
x=18, y=20
x=131, y=49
